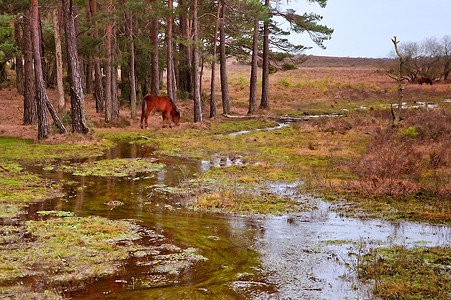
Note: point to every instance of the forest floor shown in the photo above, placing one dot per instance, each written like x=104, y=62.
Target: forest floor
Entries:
x=358, y=161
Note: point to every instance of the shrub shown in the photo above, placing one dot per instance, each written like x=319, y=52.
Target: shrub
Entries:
x=280, y=56
x=285, y=82
x=289, y=66
x=411, y=131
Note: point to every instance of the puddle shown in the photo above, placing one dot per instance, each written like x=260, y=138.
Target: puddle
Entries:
x=303, y=256
x=312, y=256
x=221, y=161
x=281, y=125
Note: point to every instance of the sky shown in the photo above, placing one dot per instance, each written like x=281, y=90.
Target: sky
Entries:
x=364, y=28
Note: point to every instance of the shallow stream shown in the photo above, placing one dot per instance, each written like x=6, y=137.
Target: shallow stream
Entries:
x=304, y=256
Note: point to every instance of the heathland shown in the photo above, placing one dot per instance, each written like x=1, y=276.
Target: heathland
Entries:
x=329, y=129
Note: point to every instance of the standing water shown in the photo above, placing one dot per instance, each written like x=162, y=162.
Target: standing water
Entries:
x=305, y=256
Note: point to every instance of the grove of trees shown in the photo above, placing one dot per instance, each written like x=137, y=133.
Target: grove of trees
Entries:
x=430, y=58
x=79, y=47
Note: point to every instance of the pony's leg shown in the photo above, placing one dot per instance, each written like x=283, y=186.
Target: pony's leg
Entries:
x=150, y=108
x=143, y=112
x=168, y=118
x=163, y=115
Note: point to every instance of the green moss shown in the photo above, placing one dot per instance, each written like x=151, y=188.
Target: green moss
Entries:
x=70, y=248
x=114, y=167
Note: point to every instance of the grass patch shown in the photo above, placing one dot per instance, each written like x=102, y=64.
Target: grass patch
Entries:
x=114, y=167
x=24, y=150
x=400, y=273
x=19, y=188
x=240, y=190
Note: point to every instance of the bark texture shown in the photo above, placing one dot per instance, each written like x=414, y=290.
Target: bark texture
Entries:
x=30, y=114
x=196, y=78
x=264, y=104
x=213, y=66
x=254, y=70
x=223, y=63
x=59, y=60
x=75, y=78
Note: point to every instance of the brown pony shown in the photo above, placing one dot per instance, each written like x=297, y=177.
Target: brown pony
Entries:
x=163, y=104
x=426, y=80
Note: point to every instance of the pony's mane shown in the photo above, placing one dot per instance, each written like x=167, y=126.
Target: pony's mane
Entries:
x=173, y=105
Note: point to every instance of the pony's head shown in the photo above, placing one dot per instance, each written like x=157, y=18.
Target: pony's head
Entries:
x=175, y=113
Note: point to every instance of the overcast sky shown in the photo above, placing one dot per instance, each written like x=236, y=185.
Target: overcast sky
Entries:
x=364, y=28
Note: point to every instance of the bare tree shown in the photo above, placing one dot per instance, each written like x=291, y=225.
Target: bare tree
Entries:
x=446, y=56
x=397, y=118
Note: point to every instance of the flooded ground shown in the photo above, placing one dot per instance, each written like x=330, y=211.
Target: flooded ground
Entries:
x=311, y=255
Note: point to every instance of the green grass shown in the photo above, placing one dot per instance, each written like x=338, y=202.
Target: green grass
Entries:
x=24, y=150
x=400, y=273
x=113, y=167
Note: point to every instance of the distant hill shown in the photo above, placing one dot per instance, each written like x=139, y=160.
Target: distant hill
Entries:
x=330, y=61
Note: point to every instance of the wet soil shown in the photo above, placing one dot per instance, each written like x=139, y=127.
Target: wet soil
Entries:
x=205, y=255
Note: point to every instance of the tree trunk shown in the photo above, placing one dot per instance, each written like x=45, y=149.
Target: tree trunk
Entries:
x=223, y=64
x=109, y=75
x=197, y=102
x=3, y=73
x=254, y=70
x=59, y=61
x=172, y=92
x=114, y=96
x=264, y=104
x=185, y=81
x=30, y=110
x=132, y=77
x=98, y=87
x=89, y=58
x=42, y=99
x=81, y=61
x=45, y=71
x=19, y=58
x=213, y=66
x=52, y=77
x=75, y=79
x=155, y=74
